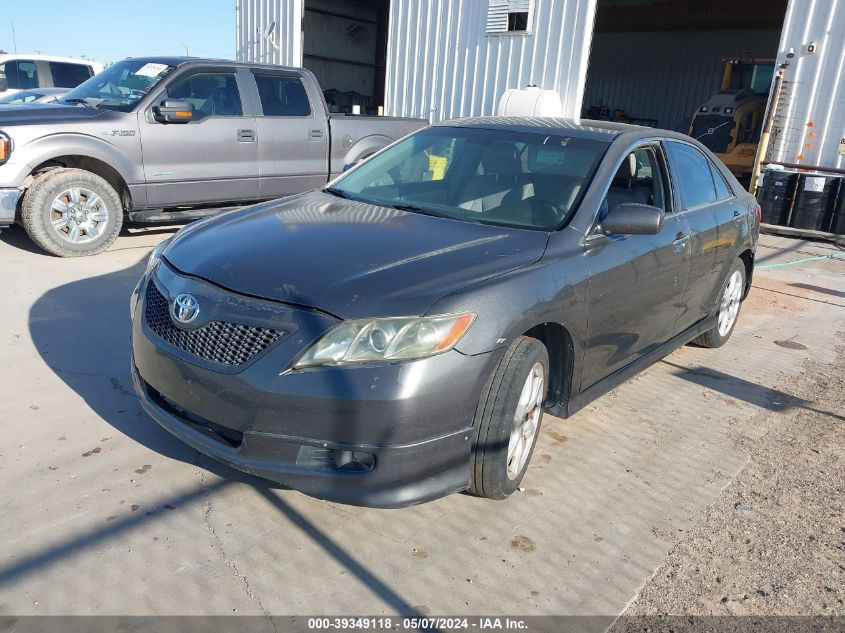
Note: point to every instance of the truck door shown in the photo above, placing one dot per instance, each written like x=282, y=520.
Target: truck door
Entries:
x=213, y=159
x=293, y=135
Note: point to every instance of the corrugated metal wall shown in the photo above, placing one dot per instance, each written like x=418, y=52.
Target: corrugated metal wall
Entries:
x=815, y=85
x=254, y=16
x=440, y=62
x=666, y=75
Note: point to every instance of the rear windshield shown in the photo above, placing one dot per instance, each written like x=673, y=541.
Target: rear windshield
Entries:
x=519, y=179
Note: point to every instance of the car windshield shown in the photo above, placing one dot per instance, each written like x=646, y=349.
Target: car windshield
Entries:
x=519, y=179
x=120, y=86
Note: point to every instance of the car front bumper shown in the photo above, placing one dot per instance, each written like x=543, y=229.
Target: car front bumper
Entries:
x=8, y=205
x=385, y=435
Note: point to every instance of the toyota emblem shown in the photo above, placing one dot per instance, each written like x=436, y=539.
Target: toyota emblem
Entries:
x=186, y=308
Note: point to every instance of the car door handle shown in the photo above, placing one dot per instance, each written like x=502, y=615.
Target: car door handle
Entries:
x=246, y=136
x=315, y=135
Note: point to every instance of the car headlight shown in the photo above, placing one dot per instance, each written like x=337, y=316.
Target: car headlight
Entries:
x=389, y=339
x=155, y=256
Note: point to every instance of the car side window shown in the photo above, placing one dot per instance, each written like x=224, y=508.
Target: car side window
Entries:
x=692, y=175
x=66, y=75
x=211, y=94
x=723, y=191
x=282, y=96
x=639, y=179
x=20, y=74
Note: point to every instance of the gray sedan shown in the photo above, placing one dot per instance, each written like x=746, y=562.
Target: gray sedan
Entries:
x=397, y=335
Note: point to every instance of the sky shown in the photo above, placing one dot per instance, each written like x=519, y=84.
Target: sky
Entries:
x=109, y=31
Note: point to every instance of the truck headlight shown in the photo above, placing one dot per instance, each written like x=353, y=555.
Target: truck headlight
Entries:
x=389, y=339
x=5, y=147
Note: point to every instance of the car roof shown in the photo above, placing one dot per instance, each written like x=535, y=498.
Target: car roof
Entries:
x=7, y=57
x=176, y=60
x=598, y=130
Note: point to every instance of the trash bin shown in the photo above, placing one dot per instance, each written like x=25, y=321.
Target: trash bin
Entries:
x=775, y=195
x=814, y=202
x=838, y=224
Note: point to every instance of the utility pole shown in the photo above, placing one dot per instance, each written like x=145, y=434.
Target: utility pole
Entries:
x=765, y=137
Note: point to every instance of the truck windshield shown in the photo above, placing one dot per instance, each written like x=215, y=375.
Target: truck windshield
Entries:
x=519, y=179
x=120, y=86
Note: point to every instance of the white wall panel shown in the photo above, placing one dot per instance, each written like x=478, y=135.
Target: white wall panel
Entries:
x=814, y=89
x=441, y=63
x=254, y=16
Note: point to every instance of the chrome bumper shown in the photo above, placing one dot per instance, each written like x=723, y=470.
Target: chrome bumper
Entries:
x=8, y=205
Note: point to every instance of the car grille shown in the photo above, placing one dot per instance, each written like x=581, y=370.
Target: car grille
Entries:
x=219, y=342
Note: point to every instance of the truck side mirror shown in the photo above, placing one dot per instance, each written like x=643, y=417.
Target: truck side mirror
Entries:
x=4, y=85
x=174, y=111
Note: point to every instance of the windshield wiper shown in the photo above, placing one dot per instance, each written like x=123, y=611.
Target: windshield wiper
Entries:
x=337, y=193
x=91, y=102
x=412, y=208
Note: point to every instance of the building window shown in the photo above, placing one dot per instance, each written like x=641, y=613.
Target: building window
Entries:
x=509, y=16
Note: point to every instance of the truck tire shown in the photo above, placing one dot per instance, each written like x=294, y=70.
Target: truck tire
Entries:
x=72, y=213
x=730, y=300
x=507, y=419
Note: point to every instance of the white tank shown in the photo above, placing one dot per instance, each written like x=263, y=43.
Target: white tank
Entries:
x=530, y=101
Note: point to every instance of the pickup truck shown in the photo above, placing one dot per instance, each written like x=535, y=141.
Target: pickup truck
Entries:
x=158, y=139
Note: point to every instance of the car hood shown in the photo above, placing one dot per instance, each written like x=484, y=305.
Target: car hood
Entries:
x=347, y=258
x=37, y=113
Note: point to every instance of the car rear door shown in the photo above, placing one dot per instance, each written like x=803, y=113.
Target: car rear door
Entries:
x=708, y=208
x=213, y=158
x=293, y=135
x=636, y=281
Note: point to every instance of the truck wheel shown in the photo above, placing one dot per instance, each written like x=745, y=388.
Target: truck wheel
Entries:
x=507, y=420
x=72, y=212
x=729, y=303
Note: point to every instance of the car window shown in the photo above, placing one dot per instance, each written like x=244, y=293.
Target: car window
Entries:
x=531, y=180
x=692, y=176
x=723, y=191
x=638, y=180
x=20, y=74
x=66, y=75
x=282, y=96
x=211, y=94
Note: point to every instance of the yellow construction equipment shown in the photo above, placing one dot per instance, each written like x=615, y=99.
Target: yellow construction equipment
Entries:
x=729, y=124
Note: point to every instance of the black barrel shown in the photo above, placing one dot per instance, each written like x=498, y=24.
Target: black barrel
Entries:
x=814, y=202
x=838, y=224
x=775, y=195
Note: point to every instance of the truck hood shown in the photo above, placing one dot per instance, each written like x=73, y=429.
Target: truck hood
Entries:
x=36, y=114
x=349, y=259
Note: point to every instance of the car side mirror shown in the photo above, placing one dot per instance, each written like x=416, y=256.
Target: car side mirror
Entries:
x=631, y=218
x=174, y=111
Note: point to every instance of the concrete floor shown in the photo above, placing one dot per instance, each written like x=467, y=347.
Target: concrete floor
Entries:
x=102, y=512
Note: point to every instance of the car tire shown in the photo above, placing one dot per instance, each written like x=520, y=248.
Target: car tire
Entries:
x=509, y=411
x=730, y=300
x=91, y=218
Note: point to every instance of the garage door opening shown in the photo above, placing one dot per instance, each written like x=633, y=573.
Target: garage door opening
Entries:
x=344, y=43
x=661, y=62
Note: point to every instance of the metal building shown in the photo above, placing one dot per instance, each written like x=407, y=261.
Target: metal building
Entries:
x=652, y=62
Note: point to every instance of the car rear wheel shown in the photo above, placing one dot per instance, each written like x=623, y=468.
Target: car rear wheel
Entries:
x=730, y=301
x=72, y=213
x=507, y=419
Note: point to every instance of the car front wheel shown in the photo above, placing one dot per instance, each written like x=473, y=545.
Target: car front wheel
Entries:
x=507, y=419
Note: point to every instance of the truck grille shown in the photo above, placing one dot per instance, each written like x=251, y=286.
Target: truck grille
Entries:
x=219, y=342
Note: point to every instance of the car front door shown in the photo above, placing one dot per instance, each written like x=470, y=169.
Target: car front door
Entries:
x=708, y=204
x=293, y=138
x=636, y=281
x=213, y=158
